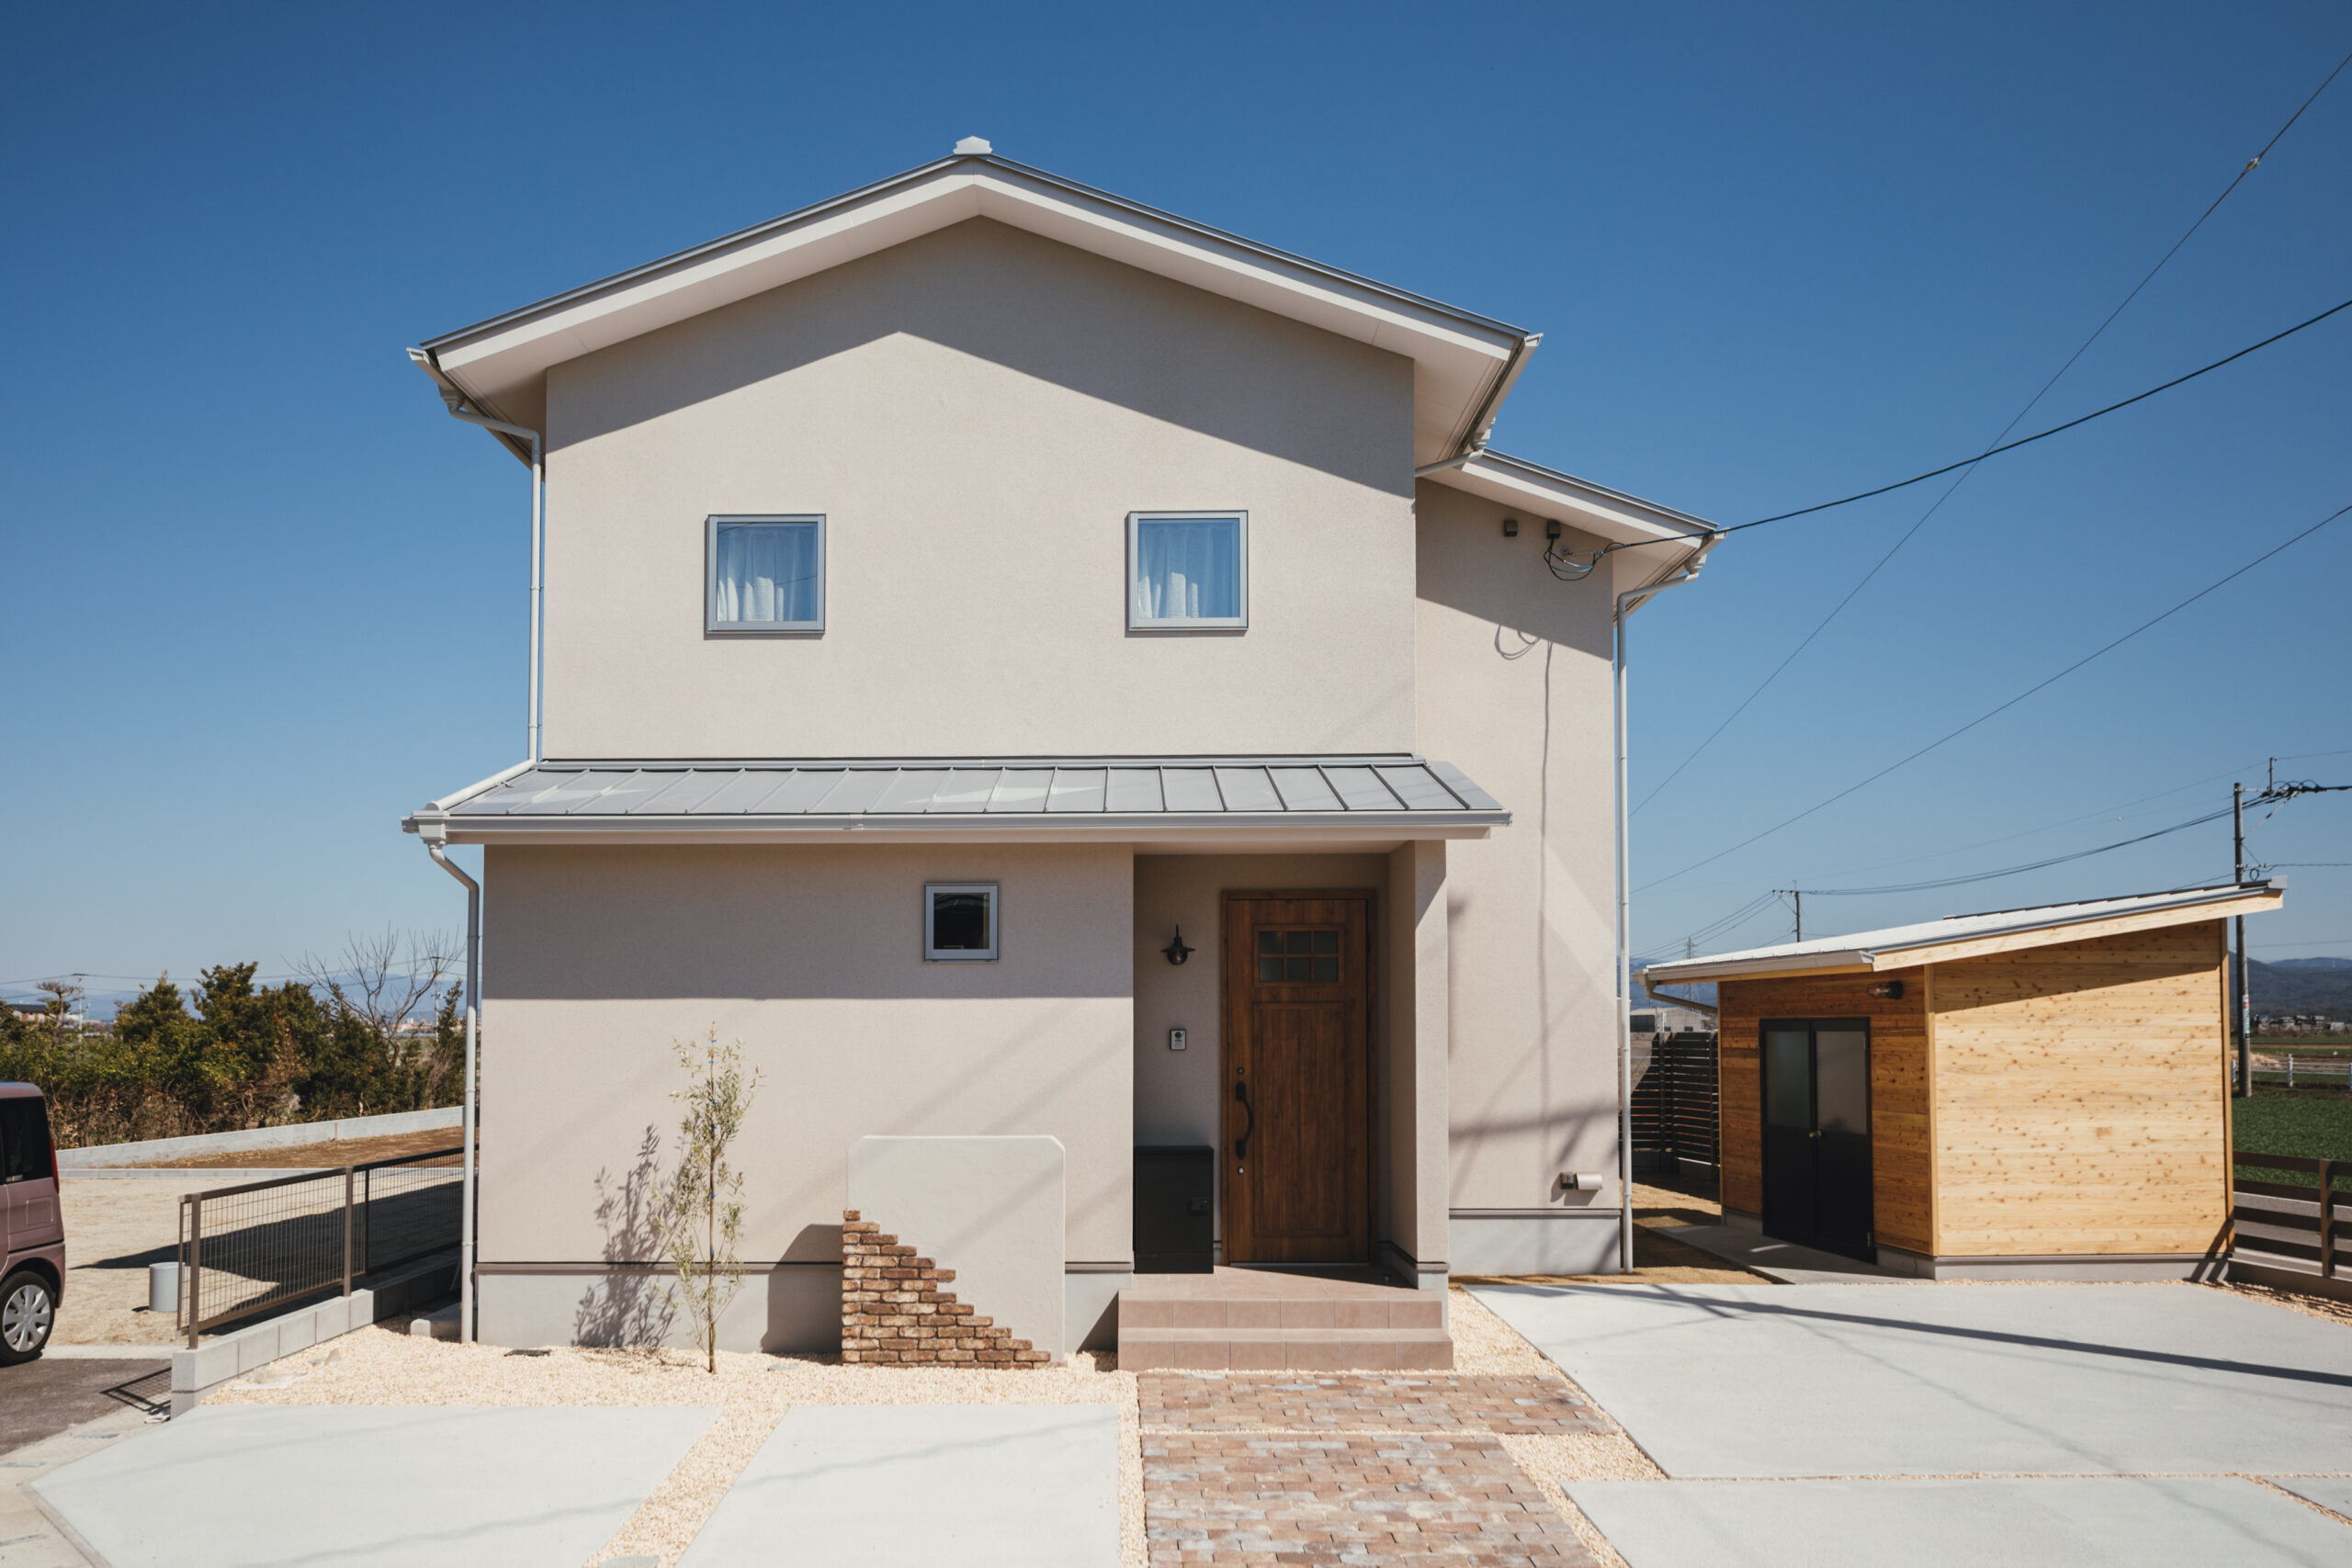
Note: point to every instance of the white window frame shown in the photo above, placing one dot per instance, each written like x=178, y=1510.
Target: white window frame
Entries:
x=1186, y=623
x=711, y=624
x=935, y=955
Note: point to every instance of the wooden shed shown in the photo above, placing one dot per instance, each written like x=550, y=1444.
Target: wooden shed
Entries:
x=2028, y=1094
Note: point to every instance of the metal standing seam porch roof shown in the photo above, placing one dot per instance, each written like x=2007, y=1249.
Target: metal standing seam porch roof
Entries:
x=1967, y=936
x=1395, y=795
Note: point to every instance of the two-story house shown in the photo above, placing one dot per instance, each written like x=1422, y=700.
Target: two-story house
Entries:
x=952, y=593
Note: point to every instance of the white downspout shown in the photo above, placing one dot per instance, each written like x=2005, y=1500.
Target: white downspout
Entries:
x=473, y=1025
x=1687, y=572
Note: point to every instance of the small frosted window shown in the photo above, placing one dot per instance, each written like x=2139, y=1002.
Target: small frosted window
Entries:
x=766, y=574
x=1189, y=570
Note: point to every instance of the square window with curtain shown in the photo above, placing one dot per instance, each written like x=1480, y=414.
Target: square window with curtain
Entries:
x=959, y=922
x=1188, y=570
x=765, y=574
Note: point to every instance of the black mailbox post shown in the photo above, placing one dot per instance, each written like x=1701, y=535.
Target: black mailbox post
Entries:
x=1175, y=1210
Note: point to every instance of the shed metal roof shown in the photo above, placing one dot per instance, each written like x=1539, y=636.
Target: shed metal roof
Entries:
x=1403, y=795
x=1962, y=936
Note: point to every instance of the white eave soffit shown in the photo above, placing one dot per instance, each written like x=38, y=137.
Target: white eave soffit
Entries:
x=1458, y=358
x=1545, y=492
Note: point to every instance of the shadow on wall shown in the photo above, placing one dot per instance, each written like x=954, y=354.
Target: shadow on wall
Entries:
x=1048, y=311
x=631, y=1305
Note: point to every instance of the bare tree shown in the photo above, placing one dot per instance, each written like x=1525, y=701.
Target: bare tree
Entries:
x=384, y=980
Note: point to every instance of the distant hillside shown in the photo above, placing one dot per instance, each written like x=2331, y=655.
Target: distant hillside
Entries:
x=2302, y=985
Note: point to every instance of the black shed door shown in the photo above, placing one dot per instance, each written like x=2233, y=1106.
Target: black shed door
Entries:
x=1818, y=1133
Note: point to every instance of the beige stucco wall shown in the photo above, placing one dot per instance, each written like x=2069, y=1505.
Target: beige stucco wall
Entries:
x=976, y=412
x=1514, y=670
x=597, y=958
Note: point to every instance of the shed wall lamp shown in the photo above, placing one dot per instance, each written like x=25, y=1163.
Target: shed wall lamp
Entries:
x=1887, y=990
x=1176, y=951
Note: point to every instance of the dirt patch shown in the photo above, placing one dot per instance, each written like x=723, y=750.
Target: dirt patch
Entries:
x=113, y=1230
x=328, y=1152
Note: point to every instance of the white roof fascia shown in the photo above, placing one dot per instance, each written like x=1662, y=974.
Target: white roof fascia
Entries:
x=1461, y=360
x=1591, y=508
x=1963, y=936
x=1343, y=828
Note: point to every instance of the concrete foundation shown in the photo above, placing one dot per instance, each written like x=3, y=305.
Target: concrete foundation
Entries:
x=1535, y=1241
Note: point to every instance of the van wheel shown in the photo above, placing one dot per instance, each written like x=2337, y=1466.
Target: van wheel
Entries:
x=28, y=1312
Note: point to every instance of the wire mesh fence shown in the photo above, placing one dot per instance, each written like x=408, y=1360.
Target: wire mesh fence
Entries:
x=247, y=1248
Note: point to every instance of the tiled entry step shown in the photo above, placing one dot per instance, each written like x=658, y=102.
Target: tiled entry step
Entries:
x=1250, y=1320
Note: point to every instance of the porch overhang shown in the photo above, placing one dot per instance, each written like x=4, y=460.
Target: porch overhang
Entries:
x=1263, y=803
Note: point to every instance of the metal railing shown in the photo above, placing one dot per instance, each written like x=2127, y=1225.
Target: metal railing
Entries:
x=247, y=1248
x=2276, y=1222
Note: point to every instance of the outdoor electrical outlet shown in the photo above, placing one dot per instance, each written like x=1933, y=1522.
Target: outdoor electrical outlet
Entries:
x=1175, y=1040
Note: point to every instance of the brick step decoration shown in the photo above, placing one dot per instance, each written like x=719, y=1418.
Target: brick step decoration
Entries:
x=1246, y=1320
x=897, y=1310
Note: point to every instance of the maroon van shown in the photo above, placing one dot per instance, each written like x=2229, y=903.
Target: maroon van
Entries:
x=33, y=1229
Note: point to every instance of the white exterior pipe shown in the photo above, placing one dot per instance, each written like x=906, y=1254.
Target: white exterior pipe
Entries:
x=539, y=557
x=473, y=1025
x=1627, y=603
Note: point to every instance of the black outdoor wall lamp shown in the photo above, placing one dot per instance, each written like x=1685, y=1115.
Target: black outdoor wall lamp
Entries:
x=1176, y=951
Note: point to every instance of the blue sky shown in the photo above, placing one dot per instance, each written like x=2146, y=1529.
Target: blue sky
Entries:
x=263, y=596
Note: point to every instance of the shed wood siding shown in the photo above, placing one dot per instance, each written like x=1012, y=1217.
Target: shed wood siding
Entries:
x=2081, y=1105
x=1901, y=1215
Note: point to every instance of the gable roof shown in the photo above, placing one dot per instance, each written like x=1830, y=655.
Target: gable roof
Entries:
x=1463, y=363
x=1971, y=936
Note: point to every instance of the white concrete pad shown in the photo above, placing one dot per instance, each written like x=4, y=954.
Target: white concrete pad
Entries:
x=369, y=1486
x=2331, y=1492
x=1925, y=1379
x=976, y=1485
x=2123, y=1522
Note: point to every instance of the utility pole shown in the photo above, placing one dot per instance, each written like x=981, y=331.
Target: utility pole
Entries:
x=2244, y=1021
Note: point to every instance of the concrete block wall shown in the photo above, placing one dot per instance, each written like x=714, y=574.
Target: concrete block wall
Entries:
x=196, y=1372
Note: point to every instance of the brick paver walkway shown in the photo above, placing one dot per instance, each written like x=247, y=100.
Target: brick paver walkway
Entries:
x=1374, y=1471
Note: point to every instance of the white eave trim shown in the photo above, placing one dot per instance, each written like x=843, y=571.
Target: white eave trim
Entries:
x=1591, y=508
x=931, y=828
x=1877, y=958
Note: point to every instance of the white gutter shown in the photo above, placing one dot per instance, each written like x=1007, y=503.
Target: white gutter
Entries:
x=473, y=1025
x=458, y=398
x=1627, y=603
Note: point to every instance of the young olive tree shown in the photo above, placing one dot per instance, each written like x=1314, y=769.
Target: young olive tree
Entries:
x=704, y=1217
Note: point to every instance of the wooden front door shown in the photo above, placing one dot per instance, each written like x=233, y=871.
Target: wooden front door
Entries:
x=1297, y=1034
x=1817, y=1189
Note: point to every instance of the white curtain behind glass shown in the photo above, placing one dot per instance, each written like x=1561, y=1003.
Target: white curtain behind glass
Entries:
x=1188, y=568
x=767, y=571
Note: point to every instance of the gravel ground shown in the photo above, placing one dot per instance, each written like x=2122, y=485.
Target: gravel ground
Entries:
x=753, y=1391
x=113, y=1230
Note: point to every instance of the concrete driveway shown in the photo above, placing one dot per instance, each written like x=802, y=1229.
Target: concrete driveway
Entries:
x=2232, y=1416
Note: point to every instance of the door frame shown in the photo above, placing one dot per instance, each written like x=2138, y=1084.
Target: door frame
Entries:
x=1813, y=1028
x=1229, y=1025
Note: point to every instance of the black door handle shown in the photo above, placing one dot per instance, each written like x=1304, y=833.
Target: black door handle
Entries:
x=1241, y=1144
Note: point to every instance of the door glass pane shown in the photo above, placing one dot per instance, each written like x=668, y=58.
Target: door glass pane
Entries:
x=1269, y=942
x=1843, y=1059
x=1269, y=969
x=1788, y=1089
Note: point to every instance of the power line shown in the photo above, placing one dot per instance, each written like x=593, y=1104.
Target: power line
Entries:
x=2004, y=707
x=2039, y=435
x=1970, y=468
x=2018, y=870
